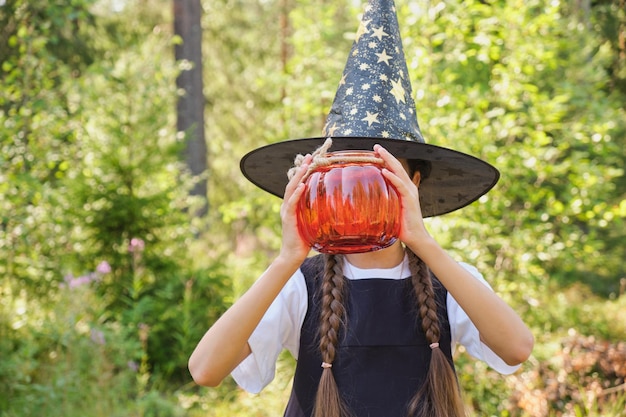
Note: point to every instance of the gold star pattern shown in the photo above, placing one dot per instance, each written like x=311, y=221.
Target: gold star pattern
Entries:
x=331, y=130
x=370, y=118
x=383, y=57
x=375, y=80
x=362, y=29
x=398, y=91
x=379, y=33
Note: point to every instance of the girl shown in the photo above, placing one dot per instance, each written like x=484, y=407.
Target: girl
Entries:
x=373, y=332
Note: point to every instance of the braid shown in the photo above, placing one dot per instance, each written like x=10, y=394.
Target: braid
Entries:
x=425, y=294
x=332, y=312
x=440, y=395
x=328, y=402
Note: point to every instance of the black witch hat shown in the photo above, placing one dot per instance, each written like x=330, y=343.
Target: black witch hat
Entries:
x=374, y=104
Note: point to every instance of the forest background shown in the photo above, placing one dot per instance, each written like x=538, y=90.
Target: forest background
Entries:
x=109, y=276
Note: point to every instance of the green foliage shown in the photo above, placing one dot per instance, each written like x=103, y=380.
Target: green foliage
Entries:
x=91, y=173
x=132, y=192
x=56, y=357
x=44, y=48
x=513, y=85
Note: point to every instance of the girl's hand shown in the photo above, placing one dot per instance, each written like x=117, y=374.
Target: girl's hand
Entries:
x=293, y=248
x=412, y=228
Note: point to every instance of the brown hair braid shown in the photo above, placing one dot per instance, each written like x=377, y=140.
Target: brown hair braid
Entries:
x=440, y=395
x=328, y=402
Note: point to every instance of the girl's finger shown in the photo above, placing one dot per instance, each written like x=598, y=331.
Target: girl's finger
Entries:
x=297, y=178
x=295, y=196
x=392, y=163
x=393, y=178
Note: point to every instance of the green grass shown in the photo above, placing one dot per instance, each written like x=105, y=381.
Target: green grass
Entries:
x=61, y=359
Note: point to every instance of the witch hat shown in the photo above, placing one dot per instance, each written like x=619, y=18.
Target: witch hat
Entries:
x=374, y=104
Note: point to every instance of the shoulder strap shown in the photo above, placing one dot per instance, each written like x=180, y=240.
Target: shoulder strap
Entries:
x=312, y=267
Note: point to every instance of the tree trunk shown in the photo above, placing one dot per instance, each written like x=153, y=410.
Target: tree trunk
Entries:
x=190, y=106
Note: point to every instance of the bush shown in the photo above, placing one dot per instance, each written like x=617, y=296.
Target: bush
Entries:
x=58, y=358
x=586, y=377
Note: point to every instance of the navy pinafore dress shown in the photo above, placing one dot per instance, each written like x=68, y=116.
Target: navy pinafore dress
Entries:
x=383, y=355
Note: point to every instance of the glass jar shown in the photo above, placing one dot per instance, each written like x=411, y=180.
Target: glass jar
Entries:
x=348, y=205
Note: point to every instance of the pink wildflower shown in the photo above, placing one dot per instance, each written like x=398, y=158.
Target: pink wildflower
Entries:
x=136, y=245
x=97, y=337
x=77, y=282
x=72, y=282
x=103, y=268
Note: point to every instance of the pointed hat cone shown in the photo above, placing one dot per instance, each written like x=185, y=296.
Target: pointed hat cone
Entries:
x=374, y=104
x=374, y=97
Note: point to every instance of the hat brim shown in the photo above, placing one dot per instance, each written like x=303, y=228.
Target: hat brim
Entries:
x=456, y=179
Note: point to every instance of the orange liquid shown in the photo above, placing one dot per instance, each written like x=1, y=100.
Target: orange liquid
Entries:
x=349, y=208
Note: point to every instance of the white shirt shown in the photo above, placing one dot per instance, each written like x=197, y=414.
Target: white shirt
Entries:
x=280, y=327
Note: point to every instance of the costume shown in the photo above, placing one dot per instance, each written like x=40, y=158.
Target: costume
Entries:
x=373, y=321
